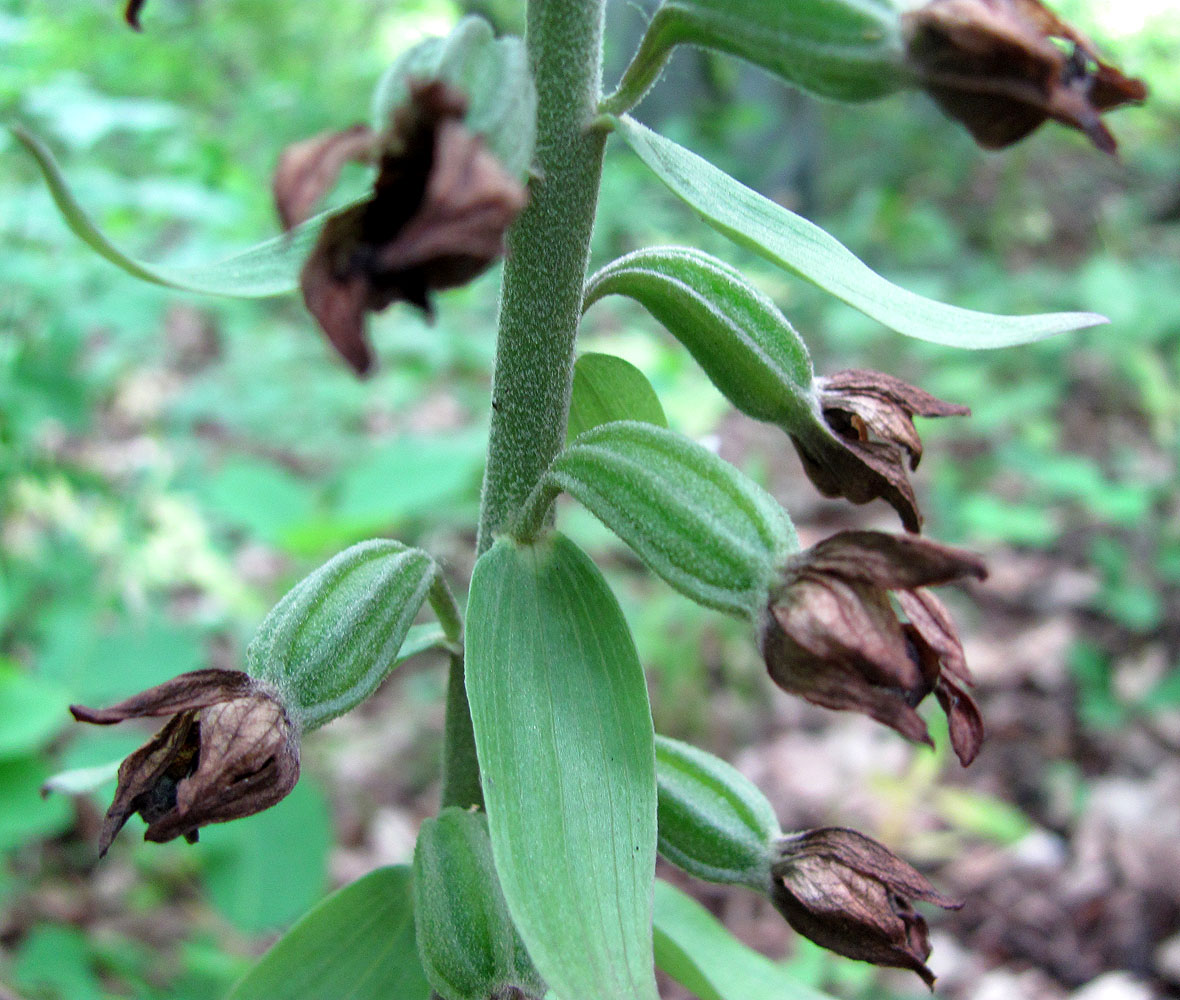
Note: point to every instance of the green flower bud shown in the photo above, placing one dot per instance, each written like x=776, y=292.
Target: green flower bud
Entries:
x=847, y=50
x=469, y=947
x=336, y=634
x=713, y=821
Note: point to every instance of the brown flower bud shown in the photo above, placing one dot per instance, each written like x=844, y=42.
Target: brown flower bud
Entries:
x=437, y=218
x=851, y=895
x=228, y=751
x=870, y=444
x=830, y=634
x=1002, y=67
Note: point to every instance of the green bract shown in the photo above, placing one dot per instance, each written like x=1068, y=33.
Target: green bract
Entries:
x=564, y=734
x=337, y=633
x=467, y=942
x=607, y=388
x=713, y=821
x=695, y=520
x=492, y=73
x=848, y=50
x=737, y=335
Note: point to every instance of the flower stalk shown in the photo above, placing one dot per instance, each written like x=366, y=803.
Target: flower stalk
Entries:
x=541, y=303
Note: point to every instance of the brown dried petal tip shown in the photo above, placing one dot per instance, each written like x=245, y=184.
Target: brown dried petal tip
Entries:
x=229, y=750
x=851, y=895
x=131, y=13
x=437, y=218
x=867, y=444
x=308, y=170
x=830, y=633
x=1002, y=67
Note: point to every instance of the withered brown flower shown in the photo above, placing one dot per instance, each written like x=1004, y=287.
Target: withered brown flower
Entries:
x=1002, y=67
x=867, y=445
x=438, y=215
x=830, y=633
x=851, y=895
x=229, y=750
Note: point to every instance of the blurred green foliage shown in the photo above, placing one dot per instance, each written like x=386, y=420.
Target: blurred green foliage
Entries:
x=169, y=465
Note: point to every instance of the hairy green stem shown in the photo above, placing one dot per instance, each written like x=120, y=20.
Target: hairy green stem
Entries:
x=541, y=300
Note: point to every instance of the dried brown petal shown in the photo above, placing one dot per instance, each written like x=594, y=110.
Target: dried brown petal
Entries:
x=867, y=443
x=1003, y=67
x=229, y=750
x=851, y=895
x=309, y=169
x=131, y=13
x=830, y=634
x=441, y=206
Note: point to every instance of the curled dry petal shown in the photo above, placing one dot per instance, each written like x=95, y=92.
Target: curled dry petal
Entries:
x=229, y=750
x=308, y=170
x=131, y=13
x=441, y=206
x=851, y=895
x=867, y=444
x=830, y=634
x=1003, y=67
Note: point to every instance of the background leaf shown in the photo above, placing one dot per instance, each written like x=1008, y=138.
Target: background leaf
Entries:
x=265, y=870
x=608, y=388
x=693, y=948
x=805, y=249
x=269, y=268
x=566, y=750
x=358, y=944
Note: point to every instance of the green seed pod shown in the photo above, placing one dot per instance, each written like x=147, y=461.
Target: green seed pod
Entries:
x=736, y=334
x=469, y=948
x=695, y=520
x=846, y=50
x=713, y=822
x=336, y=634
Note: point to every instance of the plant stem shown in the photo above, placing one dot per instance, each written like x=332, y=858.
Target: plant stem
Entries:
x=540, y=306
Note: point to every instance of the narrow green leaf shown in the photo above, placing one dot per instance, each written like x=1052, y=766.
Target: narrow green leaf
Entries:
x=566, y=751
x=82, y=780
x=494, y=75
x=803, y=248
x=270, y=268
x=358, y=944
x=699, y=953
x=607, y=388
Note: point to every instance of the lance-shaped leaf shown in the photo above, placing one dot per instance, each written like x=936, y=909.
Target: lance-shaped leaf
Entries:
x=338, y=632
x=737, y=335
x=492, y=73
x=607, y=388
x=358, y=943
x=699, y=953
x=713, y=821
x=803, y=248
x=270, y=268
x=564, y=737
x=847, y=50
x=695, y=520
